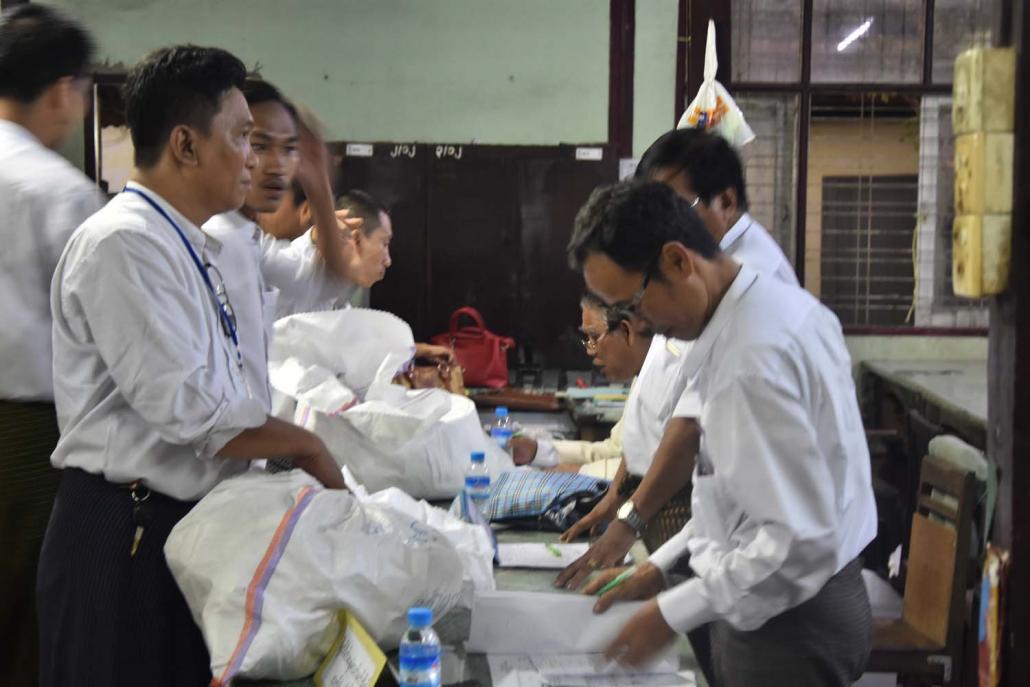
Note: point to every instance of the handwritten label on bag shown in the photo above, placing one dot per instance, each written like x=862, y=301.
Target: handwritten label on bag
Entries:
x=354, y=660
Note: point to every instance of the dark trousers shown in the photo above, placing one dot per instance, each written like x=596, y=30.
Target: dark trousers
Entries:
x=824, y=642
x=28, y=435
x=105, y=617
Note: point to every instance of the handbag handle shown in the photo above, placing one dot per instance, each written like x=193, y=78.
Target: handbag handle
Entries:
x=471, y=313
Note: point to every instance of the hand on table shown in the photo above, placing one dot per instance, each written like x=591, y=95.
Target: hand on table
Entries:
x=603, y=512
x=645, y=583
x=644, y=635
x=607, y=551
x=523, y=450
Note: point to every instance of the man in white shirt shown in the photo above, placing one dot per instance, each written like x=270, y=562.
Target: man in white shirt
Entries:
x=619, y=350
x=782, y=500
x=154, y=404
x=44, y=80
x=268, y=278
x=706, y=172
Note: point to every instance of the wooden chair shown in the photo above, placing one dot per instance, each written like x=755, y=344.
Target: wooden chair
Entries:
x=927, y=641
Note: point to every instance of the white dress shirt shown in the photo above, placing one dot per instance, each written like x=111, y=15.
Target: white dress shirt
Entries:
x=145, y=379
x=782, y=496
x=266, y=279
x=336, y=295
x=651, y=402
x=666, y=392
x=43, y=198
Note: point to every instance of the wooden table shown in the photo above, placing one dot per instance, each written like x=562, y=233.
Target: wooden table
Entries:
x=951, y=393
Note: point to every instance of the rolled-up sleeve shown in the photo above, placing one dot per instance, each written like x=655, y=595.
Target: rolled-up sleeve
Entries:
x=304, y=281
x=766, y=460
x=158, y=344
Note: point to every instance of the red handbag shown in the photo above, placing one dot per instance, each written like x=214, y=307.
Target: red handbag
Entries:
x=482, y=354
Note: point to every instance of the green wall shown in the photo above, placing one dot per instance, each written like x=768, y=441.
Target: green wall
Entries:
x=489, y=71
x=654, y=71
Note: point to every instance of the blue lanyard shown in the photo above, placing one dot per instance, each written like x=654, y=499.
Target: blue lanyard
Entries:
x=230, y=327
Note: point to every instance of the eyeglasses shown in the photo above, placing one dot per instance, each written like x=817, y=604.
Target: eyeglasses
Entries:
x=632, y=306
x=591, y=342
x=229, y=327
x=695, y=202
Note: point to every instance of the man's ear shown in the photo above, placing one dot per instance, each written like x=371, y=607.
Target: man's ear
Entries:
x=726, y=201
x=183, y=145
x=676, y=261
x=59, y=94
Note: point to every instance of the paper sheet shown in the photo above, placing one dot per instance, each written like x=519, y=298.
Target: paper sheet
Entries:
x=354, y=660
x=538, y=555
x=521, y=670
x=549, y=623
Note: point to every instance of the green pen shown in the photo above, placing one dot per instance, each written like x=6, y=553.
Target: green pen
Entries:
x=553, y=549
x=623, y=576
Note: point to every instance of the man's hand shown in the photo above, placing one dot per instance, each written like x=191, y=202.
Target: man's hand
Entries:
x=523, y=450
x=607, y=551
x=603, y=512
x=321, y=465
x=645, y=583
x=441, y=355
x=313, y=169
x=644, y=635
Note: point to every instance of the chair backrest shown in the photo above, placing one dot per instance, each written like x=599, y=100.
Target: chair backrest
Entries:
x=936, y=583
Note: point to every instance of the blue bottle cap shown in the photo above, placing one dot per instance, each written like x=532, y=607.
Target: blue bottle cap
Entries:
x=478, y=457
x=501, y=411
x=420, y=617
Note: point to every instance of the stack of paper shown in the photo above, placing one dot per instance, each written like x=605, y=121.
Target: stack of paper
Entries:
x=535, y=639
x=576, y=670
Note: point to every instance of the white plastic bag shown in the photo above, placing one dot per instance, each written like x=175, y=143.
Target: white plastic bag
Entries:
x=389, y=436
x=266, y=561
x=713, y=108
x=474, y=545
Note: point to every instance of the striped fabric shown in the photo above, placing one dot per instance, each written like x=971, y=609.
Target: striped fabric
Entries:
x=259, y=583
x=28, y=483
x=529, y=494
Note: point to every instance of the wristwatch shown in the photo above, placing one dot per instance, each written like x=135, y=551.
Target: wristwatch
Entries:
x=629, y=515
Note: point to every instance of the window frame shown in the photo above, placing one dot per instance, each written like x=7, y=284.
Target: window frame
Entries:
x=693, y=22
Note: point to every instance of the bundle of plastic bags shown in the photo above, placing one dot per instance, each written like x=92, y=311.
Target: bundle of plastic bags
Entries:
x=713, y=108
x=333, y=373
x=265, y=562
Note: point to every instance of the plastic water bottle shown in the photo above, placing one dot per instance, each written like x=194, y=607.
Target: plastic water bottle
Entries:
x=477, y=483
x=502, y=430
x=420, y=651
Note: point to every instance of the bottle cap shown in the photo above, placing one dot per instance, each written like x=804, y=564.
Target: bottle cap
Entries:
x=478, y=457
x=420, y=617
x=501, y=411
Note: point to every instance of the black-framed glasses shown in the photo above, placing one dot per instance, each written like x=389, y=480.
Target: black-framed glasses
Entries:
x=213, y=273
x=632, y=306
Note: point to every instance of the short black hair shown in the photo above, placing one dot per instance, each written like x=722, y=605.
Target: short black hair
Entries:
x=257, y=92
x=38, y=46
x=630, y=222
x=708, y=159
x=180, y=85
x=362, y=204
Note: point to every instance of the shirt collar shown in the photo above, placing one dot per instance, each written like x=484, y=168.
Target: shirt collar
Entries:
x=18, y=131
x=735, y=232
x=698, y=353
x=200, y=240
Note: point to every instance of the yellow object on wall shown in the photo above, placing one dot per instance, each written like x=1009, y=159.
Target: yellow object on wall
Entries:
x=983, y=98
x=982, y=118
x=983, y=173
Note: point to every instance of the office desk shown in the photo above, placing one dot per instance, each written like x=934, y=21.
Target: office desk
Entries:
x=951, y=393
